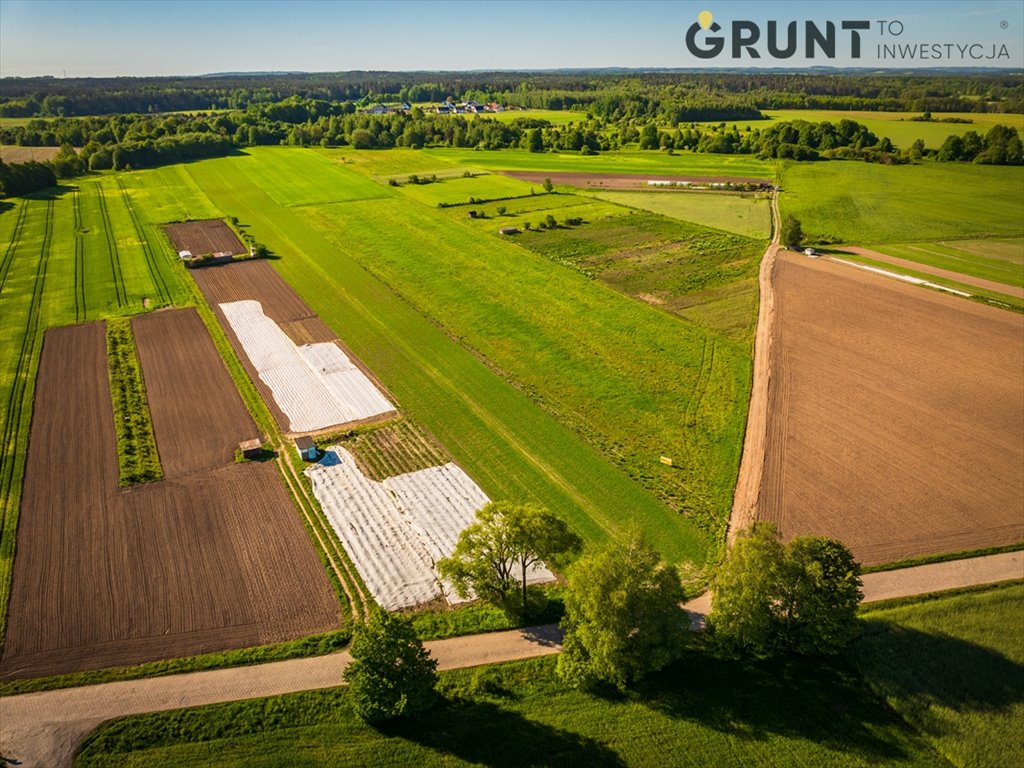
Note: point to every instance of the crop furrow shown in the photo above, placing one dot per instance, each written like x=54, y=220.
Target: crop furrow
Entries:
x=79, y=261
x=115, y=261
x=5, y=265
x=13, y=424
x=155, y=273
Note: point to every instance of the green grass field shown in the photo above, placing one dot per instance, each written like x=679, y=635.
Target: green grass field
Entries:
x=998, y=260
x=513, y=308
x=458, y=190
x=296, y=176
x=860, y=203
x=954, y=668
x=744, y=214
x=702, y=712
x=626, y=161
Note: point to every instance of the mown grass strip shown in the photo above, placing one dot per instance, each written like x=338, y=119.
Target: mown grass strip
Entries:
x=155, y=273
x=12, y=246
x=137, y=456
x=112, y=252
x=80, y=302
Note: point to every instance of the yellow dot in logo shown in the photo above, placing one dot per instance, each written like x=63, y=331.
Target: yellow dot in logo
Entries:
x=704, y=18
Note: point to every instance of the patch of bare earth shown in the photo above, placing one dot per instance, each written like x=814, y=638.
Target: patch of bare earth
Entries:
x=895, y=415
x=203, y=561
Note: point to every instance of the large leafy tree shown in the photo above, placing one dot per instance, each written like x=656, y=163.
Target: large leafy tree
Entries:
x=494, y=556
x=623, y=616
x=770, y=597
x=791, y=234
x=391, y=673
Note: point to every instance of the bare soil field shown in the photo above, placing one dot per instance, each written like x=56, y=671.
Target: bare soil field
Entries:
x=202, y=237
x=257, y=281
x=194, y=564
x=895, y=415
x=197, y=415
x=623, y=180
x=11, y=154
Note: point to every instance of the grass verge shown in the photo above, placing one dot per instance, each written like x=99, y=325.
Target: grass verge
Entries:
x=704, y=711
x=137, y=455
x=948, y=556
x=953, y=667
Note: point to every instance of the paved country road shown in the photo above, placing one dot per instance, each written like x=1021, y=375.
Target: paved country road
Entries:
x=42, y=730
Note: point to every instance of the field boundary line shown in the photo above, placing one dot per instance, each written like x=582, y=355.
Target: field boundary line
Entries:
x=12, y=246
x=155, y=273
x=751, y=473
x=115, y=260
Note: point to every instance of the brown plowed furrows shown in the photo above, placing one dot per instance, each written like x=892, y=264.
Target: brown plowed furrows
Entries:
x=203, y=237
x=896, y=415
x=257, y=280
x=622, y=180
x=198, y=417
x=210, y=561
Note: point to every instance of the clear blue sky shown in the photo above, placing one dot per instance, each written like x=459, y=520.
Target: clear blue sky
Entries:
x=156, y=37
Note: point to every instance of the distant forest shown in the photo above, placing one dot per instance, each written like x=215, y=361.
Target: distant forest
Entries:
x=670, y=96
x=149, y=122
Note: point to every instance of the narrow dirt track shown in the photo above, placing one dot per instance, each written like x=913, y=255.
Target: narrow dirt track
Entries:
x=42, y=730
x=748, y=483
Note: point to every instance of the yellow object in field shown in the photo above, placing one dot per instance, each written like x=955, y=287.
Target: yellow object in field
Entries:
x=666, y=460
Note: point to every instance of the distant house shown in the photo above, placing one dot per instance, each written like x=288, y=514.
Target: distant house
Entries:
x=508, y=231
x=185, y=255
x=810, y=252
x=307, y=448
x=377, y=109
x=406, y=106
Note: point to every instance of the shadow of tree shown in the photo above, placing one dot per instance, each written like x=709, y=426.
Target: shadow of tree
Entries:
x=824, y=701
x=936, y=669
x=483, y=733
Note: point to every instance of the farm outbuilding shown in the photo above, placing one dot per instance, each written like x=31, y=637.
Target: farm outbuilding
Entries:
x=251, y=449
x=307, y=448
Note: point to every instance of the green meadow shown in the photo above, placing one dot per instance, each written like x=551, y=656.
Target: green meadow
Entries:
x=625, y=161
x=746, y=214
x=459, y=190
x=1001, y=260
x=953, y=667
x=862, y=203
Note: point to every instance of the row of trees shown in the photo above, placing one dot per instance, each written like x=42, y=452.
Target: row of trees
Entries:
x=672, y=97
x=624, y=615
x=25, y=178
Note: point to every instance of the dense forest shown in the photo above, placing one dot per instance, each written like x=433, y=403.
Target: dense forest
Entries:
x=670, y=96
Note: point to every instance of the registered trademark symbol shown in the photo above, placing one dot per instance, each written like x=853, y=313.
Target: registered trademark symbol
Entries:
x=1004, y=24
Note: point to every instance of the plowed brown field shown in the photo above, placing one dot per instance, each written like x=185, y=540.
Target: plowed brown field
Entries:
x=257, y=280
x=102, y=577
x=202, y=237
x=197, y=415
x=895, y=415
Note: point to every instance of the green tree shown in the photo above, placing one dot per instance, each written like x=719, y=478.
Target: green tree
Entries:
x=649, y=136
x=534, y=141
x=548, y=186
x=391, y=673
x=623, y=616
x=792, y=234
x=494, y=555
x=771, y=598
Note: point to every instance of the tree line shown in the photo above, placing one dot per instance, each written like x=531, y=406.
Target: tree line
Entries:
x=141, y=141
x=611, y=94
x=623, y=606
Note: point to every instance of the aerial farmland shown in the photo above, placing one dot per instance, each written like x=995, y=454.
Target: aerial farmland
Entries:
x=260, y=377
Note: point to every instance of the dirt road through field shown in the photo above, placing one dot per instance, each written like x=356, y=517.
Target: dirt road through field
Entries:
x=748, y=483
